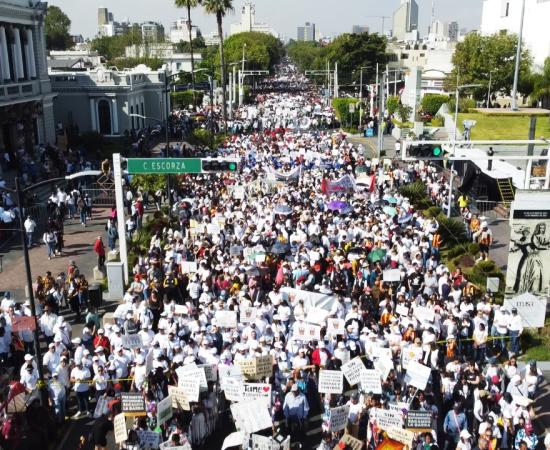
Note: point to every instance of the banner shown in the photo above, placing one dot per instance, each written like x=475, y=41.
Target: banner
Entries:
x=370, y=381
x=23, y=323
x=317, y=316
x=119, y=424
x=132, y=341
x=352, y=370
x=226, y=319
x=311, y=299
x=164, y=410
x=417, y=375
x=307, y=332
x=179, y=398
x=254, y=391
x=294, y=174
x=331, y=382
x=133, y=403
x=344, y=184
x=338, y=418
x=251, y=416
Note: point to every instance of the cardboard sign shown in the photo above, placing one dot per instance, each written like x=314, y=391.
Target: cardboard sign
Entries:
x=226, y=319
x=253, y=391
x=370, y=381
x=251, y=416
x=338, y=418
x=164, y=410
x=331, y=382
x=102, y=406
x=419, y=420
x=248, y=314
x=347, y=440
x=391, y=275
x=388, y=419
x=417, y=375
x=119, y=424
x=133, y=404
x=423, y=313
x=189, y=267
x=179, y=398
x=335, y=326
x=210, y=371
x=132, y=341
x=23, y=323
x=148, y=440
x=257, y=368
x=233, y=389
x=406, y=437
x=352, y=370
x=402, y=310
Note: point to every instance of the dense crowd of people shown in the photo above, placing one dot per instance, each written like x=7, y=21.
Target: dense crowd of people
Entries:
x=308, y=256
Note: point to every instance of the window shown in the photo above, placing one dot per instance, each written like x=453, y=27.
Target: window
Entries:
x=404, y=56
x=132, y=116
x=104, y=115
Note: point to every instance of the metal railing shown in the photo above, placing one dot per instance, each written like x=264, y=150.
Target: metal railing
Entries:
x=490, y=209
x=100, y=197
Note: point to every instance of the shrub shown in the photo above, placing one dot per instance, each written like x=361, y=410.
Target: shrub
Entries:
x=473, y=248
x=432, y=102
x=341, y=106
x=438, y=121
x=484, y=267
x=404, y=112
x=464, y=104
x=452, y=230
x=432, y=211
x=392, y=104
x=455, y=251
x=183, y=99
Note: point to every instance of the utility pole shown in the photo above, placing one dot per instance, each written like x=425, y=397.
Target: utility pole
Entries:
x=360, y=99
x=381, y=117
x=518, y=59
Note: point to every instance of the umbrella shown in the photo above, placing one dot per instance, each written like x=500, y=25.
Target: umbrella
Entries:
x=390, y=200
x=284, y=210
x=390, y=210
x=280, y=248
x=357, y=250
x=376, y=255
x=404, y=219
x=336, y=205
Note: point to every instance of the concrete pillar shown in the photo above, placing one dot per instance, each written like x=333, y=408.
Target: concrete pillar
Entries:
x=32, y=62
x=114, y=116
x=93, y=114
x=18, y=54
x=6, y=73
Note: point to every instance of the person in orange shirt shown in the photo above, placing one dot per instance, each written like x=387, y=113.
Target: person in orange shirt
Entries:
x=474, y=225
x=386, y=316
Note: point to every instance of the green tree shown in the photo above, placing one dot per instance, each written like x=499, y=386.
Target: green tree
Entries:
x=220, y=8
x=404, y=112
x=303, y=54
x=392, y=104
x=541, y=83
x=57, y=26
x=128, y=63
x=479, y=59
x=432, y=102
x=111, y=47
x=189, y=4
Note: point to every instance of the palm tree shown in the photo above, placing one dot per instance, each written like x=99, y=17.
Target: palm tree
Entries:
x=220, y=8
x=190, y=4
x=541, y=89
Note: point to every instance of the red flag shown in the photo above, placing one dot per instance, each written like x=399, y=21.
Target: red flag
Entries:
x=324, y=186
x=372, y=183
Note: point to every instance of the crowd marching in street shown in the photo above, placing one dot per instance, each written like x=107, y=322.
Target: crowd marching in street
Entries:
x=301, y=297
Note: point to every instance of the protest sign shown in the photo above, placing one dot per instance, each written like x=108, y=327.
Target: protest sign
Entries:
x=191, y=386
x=148, y=440
x=308, y=332
x=233, y=389
x=335, y=326
x=388, y=419
x=251, y=416
x=338, y=418
x=119, y=424
x=348, y=441
x=168, y=446
x=352, y=370
x=133, y=403
x=229, y=372
x=400, y=408
x=213, y=228
x=383, y=365
x=102, y=406
x=226, y=319
x=179, y=398
x=164, y=410
x=193, y=371
x=210, y=371
x=260, y=442
x=253, y=391
x=423, y=313
x=311, y=299
x=248, y=314
x=316, y=315
x=531, y=308
x=418, y=420
x=181, y=310
x=391, y=275
x=331, y=382
x=417, y=375
x=235, y=439
x=238, y=192
x=382, y=353
x=400, y=435
x=370, y=381
x=344, y=184
x=132, y=341
x=189, y=267
x=402, y=310
x=257, y=368
x=23, y=323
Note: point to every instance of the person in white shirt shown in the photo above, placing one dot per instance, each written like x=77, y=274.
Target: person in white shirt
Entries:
x=30, y=226
x=515, y=328
x=29, y=378
x=47, y=322
x=51, y=358
x=80, y=377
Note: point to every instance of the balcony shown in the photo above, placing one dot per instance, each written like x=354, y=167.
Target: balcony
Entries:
x=16, y=91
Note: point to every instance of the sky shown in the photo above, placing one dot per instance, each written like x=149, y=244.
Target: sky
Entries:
x=283, y=15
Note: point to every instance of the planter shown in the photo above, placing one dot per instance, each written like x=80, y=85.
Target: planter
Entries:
x=400, y=133
x=418, y=128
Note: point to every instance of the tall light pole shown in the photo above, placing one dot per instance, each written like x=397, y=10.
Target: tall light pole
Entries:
x=518, y=59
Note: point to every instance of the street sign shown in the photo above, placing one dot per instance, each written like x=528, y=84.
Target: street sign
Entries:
x=164, y=165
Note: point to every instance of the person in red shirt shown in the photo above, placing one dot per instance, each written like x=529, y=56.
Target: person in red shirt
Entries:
x=320, y=355
x=99, y=248
x=101, y=340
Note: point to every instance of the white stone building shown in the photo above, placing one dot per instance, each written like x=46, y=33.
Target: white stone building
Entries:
x=26, y=98
x=179, y=32
x=248, y=22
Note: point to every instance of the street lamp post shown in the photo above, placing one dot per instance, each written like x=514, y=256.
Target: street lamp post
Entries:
x=518, y=59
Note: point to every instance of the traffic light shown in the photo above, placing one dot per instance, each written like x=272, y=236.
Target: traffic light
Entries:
x=437, y=150
x=426, y=151
x=219, y=165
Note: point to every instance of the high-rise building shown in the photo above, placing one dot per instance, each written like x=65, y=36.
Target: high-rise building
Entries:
x=306, y=33
x=453, y=31
x=504, y=15
x=179, y=31
x=405, y=19
x=439, y=31
x=248, y=22
x=359, y=29
x=102, y=16
x=152, y=32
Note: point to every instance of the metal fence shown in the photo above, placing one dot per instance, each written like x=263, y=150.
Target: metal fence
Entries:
x=101, y=196
x=490, y=209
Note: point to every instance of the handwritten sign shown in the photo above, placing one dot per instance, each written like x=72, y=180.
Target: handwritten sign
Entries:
x=23, y=323
x=133, y=403
x=338, y=418
x=190, y=384
x=148, y=440
x=226, y=319
x=210, y=371
x=331, y=382
x=233, y=389
x=132, y=341
x=370, y=381
x=387, y=419
x=352, y=371
x=119, y=424
x=253, y=391
x=179, y=398
x=257, y=368
x=164, y=410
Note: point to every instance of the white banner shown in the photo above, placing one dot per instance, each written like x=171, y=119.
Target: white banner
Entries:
x=189, y=267
x=402, y=310
x=191, y=385
x=316, y=315
x=338, y=418
x=311, y=299
x=331, y=382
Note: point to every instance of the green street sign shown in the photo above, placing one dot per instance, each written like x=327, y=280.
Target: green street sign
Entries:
x=164, y=165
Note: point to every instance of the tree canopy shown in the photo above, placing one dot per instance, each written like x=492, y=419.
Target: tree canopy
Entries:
x=57, y=26
x=479, y=59
x=541, y=82
x=111, y=47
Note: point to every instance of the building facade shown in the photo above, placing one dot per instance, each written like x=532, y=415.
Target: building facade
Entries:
x=359, y=29
x=453, y=31
x=306, y=33
x=248, y=22
x=179, y=32
x=152, y=32
x=26, y=98
x=405, y=19
x=107, y=101
x=504, y=15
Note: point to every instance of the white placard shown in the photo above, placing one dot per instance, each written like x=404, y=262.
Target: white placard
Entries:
x=213, y=228
x=417, y=375
x=402, y=310
x=335, y=326
x=253, y=391
x=226, y=319
x=238, y=192
x=260, y=442
x=233, y=440
x=233, y=389
x=391, y=275
x=189, y=267
x=119, y=424
x=331, y=382
x=148, y=440
x=210, y=371
x=179, y=398
x=423, y=313
x=248, y=314
x=132, y=341
x=193, y=371
x=370, y=381
x=164, y=410
x=308, y=332
x=401, y=435
x=102, y=406
x=316, y=315
x=251, y=416
x=352, y=370
x=388, y=419
x=531, y=309
x=383, y=365
x=338, y=418
x=191, y=385
x=181, y=310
